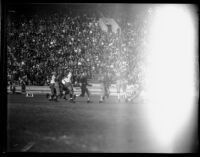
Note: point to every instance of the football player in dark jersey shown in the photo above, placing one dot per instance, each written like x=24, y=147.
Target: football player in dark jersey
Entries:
x=84, y=84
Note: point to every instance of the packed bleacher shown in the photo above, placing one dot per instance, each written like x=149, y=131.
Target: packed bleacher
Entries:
x=38, y=45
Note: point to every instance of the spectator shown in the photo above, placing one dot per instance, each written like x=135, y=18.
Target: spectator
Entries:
x=39, y=44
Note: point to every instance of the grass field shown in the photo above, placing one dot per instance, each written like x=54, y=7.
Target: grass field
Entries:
x=38, y=125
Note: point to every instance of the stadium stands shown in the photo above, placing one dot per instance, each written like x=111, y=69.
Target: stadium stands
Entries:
x=38, y=45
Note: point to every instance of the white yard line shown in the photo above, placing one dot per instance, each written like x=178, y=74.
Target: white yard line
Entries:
x=28, y=146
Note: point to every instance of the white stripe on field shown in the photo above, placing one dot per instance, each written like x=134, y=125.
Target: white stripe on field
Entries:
x=28, y=146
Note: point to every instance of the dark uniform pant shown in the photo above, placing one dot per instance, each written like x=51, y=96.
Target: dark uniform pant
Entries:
x=84, y=89
x=53, y=91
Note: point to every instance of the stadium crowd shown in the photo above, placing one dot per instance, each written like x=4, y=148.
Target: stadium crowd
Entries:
x=39, y=45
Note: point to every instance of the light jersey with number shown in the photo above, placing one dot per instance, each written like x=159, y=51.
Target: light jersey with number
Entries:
x=67, y=79
x=53, y=79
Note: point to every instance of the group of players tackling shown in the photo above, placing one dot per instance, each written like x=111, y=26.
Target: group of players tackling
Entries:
x=61, y=85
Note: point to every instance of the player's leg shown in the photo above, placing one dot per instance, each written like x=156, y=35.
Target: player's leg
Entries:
x=61, y=90
x=83, y=88
x=66, y=91
x=52, y=91
x=102, y=93
x=57, y=92
x=118, y=91
x=54, y=96
x=23, y=87
x=82, y=91
x=107, y=91
x=73, y=93
x=88, y=94
x=70, y=92
x=124, y=91
x=10, y=85
x=13, y=88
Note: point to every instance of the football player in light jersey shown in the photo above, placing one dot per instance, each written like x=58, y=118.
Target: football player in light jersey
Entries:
x=67, y=83
x=118, y=85
x=52, y=86
x=55, y=85
x=121, y=84
x=105, y=84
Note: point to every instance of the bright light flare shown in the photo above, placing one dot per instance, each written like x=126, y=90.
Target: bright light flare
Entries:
x=171, y=83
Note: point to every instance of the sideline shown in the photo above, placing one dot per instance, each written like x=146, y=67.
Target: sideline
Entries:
x=95, y=89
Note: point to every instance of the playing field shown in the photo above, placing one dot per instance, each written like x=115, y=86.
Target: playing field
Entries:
x=38, y=125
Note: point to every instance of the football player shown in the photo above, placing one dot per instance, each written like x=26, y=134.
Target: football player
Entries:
x=105, y=84
x=67, y=83
x=84, y=84
x=121, y=84
x=53, y=95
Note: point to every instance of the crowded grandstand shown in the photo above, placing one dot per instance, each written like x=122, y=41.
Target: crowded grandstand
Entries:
x=41, y=43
